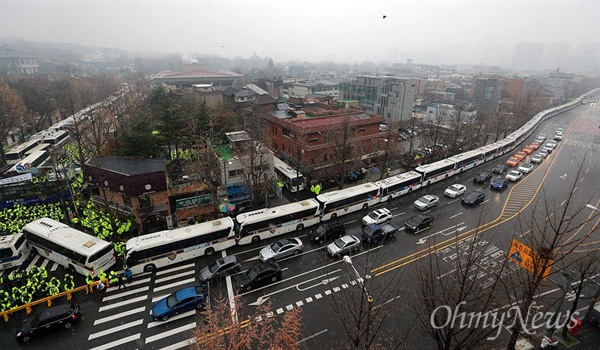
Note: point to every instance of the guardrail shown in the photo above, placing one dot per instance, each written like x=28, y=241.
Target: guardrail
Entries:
x=88, y=288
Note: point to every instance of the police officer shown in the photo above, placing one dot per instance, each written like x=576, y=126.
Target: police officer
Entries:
x=101, y=275
x=113, y=278
x=69, y=284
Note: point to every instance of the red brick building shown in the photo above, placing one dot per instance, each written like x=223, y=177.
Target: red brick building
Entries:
x=301, y=136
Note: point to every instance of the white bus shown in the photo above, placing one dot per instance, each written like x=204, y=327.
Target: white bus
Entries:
x=398, y=185
x=69, y=247
x=436, y=171
x=266, y=223
x=148, y=252
x=57, y=138
x=348, y=200
x=20, y=151
x=293, y=180
x=13, y=251
x=36, y=159
x=40, y=147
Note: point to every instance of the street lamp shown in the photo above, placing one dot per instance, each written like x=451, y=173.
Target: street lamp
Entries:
x=348, y=261
x=589, y=206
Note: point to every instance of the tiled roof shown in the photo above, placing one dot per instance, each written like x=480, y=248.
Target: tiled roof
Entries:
x=197, y=73
x=128, y=166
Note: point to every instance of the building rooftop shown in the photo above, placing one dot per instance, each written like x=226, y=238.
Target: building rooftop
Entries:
x=197, y=73
x=128, y=166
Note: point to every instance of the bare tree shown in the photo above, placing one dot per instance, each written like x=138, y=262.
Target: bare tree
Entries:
x=12, y=111
x=552, y=242
x=225, y=328
x=343, y=151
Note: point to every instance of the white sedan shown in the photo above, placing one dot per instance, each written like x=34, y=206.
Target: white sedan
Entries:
x=525, y=168
x=514, y=175
x=455, y=190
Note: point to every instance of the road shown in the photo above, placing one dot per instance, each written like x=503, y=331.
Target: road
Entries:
x=319, y=285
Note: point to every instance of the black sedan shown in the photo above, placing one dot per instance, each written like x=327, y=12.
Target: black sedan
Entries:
x=259, y=276
x=500, y=168
x=473, y=198
x=53, y=318
x=418, y=223
x=483, y=177
x=499, y=184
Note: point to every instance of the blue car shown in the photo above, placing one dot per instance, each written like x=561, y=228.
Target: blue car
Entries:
x=183, y=300
x=499, y=184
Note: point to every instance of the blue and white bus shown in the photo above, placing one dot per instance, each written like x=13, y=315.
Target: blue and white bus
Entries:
x=348, y=200
x=14, y=249
x=154, y=250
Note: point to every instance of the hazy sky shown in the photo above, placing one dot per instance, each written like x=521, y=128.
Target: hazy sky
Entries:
x=470, y=31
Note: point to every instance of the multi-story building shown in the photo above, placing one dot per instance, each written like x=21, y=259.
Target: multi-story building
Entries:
x=14, y=62
x=220, y=79
x=302, y=88
x=247, y=167
x=486, y=95
x=386, y=96
x=305, y=137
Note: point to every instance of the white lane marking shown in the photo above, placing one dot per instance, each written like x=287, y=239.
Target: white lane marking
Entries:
x=312, y=336
x=349, y=222
x=168, y=286
x=173, y=269
x=115, y=329
x=171, y=277
x=134, y=283
x=231, y=296
x=456, y=200
x=453, y=216
x=125, y=293
x=118, y=342
x=33, y=262
x=45, y=263
x=171, y=332
x=54, y=266
x=119, y=315
x=181, y=344
x=157, y=298
x=122, y=303
x=171, y=319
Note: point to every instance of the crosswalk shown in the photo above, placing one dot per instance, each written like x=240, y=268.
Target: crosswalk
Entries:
x=123, y=320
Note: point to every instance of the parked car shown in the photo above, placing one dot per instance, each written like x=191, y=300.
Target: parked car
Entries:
x=327, y=231
x=178, y=302
x=541, y=137
x=427, y=201
x=537, y=158
x=343, y=245
x=558, y=137
x=525, y=168
x=373, y=234
x=543, y=153
x=535, y=145
x=281, y=249
x=520, y=155
x=220, y=267
x=514, y=175
x=500, y=168
x=512, y=161
x=527, y=150
x=259, y=276
x=377, y=217
x=560, y=130
x=483, y=177
x=499, y=184
x=51, y=319
x=548, y=148
x=418, y=223
x=455, y=190
x=473, y=198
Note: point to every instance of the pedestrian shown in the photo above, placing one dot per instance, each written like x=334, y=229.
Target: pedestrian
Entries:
x=120, y=282
x=101, y=287
x=128, y=275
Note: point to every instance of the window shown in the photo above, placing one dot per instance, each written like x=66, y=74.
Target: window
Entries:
x=312, y=142
x=489, y=91
x=126, y=200
x=361, y=131
x=144, y=201
x=286, y=132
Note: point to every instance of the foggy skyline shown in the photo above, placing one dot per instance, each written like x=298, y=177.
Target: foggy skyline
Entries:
x=450, y=32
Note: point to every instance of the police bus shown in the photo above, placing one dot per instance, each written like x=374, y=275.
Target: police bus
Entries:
x=348, y=200
x=148, y=252
x=57, y=138
x=293, y=180
x=69, y=247
x=35, y=159
x=14, y=249
x=398, y=185
x=20, y=151
x=266, y=223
